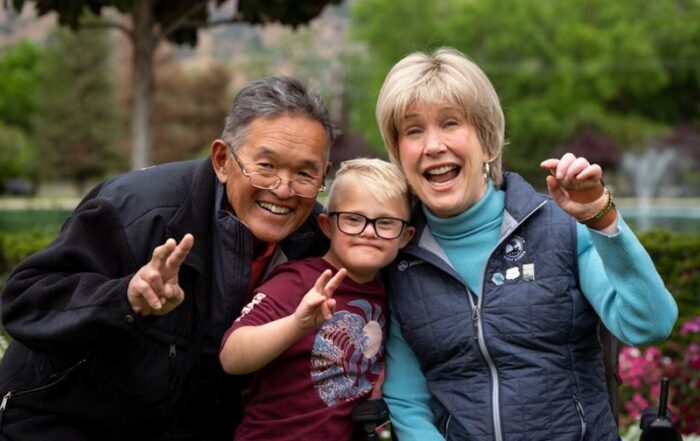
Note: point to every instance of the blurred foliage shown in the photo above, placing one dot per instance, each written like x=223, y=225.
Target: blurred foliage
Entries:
x=77, y=123
x=627, y=69
x=17, y=155
x=677, y=259
x=16, y=247
x=151, y=22
x=20, y=67
x=184, y=17
x=20, y=75
x=190, y=107
x=289, y=13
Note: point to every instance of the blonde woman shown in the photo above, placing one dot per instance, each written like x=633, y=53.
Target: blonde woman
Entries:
x=497, y=300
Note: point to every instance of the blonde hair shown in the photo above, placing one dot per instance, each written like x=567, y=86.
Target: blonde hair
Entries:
x=383, y=179
x=446, y=76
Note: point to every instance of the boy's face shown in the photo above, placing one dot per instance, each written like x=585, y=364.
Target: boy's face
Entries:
x=364, y=254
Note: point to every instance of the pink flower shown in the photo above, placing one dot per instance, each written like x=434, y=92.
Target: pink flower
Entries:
x=691, y=326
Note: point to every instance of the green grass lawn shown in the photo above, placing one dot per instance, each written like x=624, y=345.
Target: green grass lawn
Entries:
x=43, y=214
x=12, y=221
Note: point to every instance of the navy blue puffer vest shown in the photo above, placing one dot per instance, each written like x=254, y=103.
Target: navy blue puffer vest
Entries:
x=522, y=361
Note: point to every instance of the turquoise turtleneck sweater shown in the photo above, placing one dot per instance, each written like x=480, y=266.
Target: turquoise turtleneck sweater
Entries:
x=616, y=275
x=477, y=230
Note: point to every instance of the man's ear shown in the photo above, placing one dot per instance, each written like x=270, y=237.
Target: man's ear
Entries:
x=324, y=224
x=220, y=159
x=329, y=167
x=407, y=235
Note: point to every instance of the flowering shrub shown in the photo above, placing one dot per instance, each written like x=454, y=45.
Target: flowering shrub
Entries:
x=641, y=372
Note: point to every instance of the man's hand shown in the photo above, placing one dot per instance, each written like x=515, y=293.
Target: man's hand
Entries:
x=317, y=306
x=154, y=289
x=576, y=185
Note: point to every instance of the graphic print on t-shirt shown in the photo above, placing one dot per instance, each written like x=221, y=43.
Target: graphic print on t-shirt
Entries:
x=345, y=352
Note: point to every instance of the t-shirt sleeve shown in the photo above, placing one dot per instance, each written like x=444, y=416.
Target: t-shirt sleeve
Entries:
x=276, y=298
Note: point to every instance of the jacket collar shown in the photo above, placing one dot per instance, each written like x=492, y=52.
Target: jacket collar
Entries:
x=194, y=215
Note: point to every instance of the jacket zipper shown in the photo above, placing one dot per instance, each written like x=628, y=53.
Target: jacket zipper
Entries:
x=476, y=319
x=495, y=401
x=581, y=415
x=57, y=379
x=172, y=353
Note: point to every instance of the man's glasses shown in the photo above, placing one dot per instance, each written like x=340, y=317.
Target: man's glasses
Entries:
x=267, y=180
x=354, y=224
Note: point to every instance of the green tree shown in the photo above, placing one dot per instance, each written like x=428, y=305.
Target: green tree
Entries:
x=77, y=122
x=20, y=65
x=17, y=155
x=151, y=22
x=189, y=109
x=557, y=66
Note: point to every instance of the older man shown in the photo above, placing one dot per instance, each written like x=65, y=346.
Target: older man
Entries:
x=117, y=323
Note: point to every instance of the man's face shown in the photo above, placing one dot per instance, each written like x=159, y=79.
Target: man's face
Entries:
x=290, y=146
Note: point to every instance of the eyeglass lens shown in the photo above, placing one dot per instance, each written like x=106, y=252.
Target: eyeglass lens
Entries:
x=355, y=223
x=304, y=187
x=269, y=181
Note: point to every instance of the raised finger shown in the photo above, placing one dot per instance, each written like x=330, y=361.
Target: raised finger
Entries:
x=322, y=280
x=161, y=254
x=180, y=253
x=334, y=282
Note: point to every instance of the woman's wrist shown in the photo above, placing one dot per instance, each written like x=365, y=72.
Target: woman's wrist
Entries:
x=605, y=217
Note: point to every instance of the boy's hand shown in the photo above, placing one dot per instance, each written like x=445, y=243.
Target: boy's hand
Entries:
x=317, y=306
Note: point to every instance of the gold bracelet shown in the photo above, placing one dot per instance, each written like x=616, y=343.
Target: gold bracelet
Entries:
x=599, y=215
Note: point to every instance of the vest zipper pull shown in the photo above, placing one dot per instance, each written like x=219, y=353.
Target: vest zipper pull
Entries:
x=475, y=321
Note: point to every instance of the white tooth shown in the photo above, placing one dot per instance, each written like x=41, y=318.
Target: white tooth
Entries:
x=275, y=208
x=440, y=170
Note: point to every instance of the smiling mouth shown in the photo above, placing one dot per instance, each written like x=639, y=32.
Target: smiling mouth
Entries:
x=274, y=209
x=442, y=175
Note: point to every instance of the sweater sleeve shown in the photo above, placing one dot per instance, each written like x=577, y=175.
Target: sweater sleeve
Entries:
x=406, y=392
x=619, y=279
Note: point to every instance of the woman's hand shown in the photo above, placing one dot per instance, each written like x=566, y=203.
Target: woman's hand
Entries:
x=576, y=186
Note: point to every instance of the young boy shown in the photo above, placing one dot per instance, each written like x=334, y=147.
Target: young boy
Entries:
x=317, y=339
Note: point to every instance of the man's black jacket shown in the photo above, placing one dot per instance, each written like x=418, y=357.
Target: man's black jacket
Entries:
x=82, y=365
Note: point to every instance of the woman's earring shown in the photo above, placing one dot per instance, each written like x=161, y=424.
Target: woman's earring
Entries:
x=486, y=169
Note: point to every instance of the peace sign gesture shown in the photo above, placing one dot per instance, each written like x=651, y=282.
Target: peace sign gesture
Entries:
x=317, y=306
x=155, y=289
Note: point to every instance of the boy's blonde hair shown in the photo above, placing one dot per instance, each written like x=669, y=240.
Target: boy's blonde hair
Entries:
x=446, y=76
x=383, y=179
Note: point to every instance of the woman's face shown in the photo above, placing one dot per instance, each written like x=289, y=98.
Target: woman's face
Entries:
x=442, y=158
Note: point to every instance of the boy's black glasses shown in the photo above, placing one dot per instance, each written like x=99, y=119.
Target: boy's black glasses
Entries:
x=353, y=224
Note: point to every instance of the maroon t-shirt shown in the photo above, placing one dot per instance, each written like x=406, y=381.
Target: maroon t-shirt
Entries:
x=308, y=392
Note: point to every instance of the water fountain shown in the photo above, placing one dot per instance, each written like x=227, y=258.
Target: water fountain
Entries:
x=647, y=172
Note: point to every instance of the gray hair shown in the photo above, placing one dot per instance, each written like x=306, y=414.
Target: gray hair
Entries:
x=271, y=97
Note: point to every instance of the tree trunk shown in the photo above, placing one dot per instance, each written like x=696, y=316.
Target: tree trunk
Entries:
x=143, y=85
